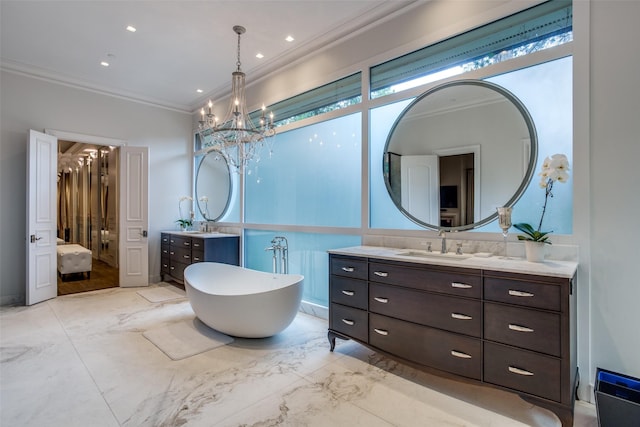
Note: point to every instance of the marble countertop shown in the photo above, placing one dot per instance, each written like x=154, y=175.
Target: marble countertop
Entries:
x=200, y=234
x=554, y=268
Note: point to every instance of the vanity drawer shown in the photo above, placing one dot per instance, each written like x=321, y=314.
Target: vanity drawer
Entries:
x=197, y=255
x=182, y=255
x=348, y=267
x=522, y=370
x=427, y=346
x=197, y=244
x=165, y=265
x=165, y=249
x=525, y=293
x=351, y=292
x=177, y=269
x=460, y=284
x=349, y=321
x=180, y=242
x=440, y=311
x=521, y=327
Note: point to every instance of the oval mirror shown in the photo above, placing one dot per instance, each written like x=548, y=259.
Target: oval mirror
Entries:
x=213, y=186
x=457, y=152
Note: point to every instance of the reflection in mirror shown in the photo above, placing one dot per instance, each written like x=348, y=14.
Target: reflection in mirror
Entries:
x=457, y=152
x=213, y=186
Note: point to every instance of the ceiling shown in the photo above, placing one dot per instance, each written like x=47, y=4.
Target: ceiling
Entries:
x=179, y=46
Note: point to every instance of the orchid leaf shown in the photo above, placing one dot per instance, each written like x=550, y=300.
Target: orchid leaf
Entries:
x=532, y=234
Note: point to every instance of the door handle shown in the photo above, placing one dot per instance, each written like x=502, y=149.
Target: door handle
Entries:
x=144, y=233
x=34, y=239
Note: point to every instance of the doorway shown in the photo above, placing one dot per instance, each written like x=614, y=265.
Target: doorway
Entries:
x=457, y=198
x=87, y=215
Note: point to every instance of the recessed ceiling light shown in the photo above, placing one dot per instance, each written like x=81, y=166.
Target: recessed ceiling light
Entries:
x=289, y=39
x=104, y=63
x=199, y=90
x=259, y=55
x=131, y=28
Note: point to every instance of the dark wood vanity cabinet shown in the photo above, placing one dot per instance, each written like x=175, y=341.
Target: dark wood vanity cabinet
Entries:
x=179, y=251
x=508, y=330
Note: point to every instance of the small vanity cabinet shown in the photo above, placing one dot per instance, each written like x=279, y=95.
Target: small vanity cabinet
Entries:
x=508, y=330
x=179, y=249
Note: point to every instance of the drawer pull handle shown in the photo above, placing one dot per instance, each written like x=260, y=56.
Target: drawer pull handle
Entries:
x=461, y=316
x=197, y=245
x=186, y=256
x=173, y=268
x=186, y=243
x=349, y=293
x=515, y=293
x=382, y=300
x=460, y=354
x=349, y=322
x=460, y=285
x=348, y=269
x=519, y=328
x=172, y=253
x=195, y=258
x=519, y=371
x=381, y=331
x=381, y=273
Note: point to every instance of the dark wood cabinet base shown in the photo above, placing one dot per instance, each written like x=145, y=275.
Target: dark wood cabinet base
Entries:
x=510, y=331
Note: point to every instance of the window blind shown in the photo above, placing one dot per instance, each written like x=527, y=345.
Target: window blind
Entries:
x=531, y=25
x=332, y=93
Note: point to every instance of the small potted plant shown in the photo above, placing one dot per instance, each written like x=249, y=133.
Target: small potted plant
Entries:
x=185, y=224
x=554, y=169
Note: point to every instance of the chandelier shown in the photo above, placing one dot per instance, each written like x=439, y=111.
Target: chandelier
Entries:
x=235, y=137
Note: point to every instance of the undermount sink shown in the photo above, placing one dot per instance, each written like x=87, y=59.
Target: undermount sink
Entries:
x=425, y=254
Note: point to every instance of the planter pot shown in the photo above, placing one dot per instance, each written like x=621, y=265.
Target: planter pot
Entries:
x=534, y=251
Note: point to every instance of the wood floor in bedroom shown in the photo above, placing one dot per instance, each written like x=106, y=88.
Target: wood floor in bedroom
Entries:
x=103, y=276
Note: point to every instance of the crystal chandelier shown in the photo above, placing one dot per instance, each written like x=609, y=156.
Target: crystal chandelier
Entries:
x=235, y=136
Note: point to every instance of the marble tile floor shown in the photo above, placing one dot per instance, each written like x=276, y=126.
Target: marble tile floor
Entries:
x=81, y=360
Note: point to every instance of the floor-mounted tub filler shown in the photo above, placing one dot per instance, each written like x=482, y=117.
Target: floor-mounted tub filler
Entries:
x=241, y=302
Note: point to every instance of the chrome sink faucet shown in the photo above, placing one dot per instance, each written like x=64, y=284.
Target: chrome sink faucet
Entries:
x=442, y=235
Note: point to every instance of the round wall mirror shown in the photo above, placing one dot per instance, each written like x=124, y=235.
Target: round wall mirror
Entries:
x=213, y=186
x=457, y=152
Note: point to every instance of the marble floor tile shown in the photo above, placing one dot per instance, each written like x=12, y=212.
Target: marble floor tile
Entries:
x=82, y=360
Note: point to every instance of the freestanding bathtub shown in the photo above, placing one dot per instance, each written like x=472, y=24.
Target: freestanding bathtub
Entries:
x=242, y=302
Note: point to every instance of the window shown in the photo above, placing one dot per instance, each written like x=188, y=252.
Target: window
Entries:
x=535, y=86
x=538, y=28
x=332, y=96
x=312, y=179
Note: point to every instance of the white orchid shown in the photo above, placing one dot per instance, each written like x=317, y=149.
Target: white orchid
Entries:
x=182, y=221
x=554, y=169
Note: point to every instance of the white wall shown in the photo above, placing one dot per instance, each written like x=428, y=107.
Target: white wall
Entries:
x=29, y=103
x=615, y=185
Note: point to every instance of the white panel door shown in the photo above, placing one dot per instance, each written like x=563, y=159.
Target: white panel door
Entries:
x=134, y=207
x=42, y=162
x=420, y=184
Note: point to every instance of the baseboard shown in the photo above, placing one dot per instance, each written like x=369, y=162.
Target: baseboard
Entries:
x=12, y=300
x=314, y=310
x=585, y=393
